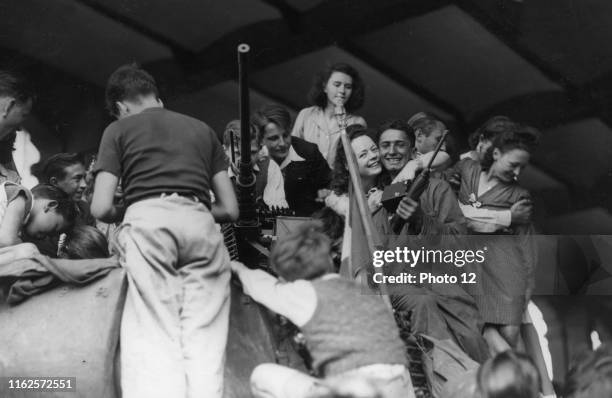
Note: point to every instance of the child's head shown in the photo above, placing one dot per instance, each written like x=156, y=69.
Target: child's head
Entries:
x=508, y=375
x=302, y=254
x=52, y=212
x=591, y=375
x=85, y=241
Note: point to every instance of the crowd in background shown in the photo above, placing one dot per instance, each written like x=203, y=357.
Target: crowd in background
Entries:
x=302, y=166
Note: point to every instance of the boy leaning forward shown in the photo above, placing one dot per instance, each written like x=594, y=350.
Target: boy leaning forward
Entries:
x=175, y=321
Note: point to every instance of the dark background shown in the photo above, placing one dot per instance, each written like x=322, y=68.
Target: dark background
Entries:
x=547, y=63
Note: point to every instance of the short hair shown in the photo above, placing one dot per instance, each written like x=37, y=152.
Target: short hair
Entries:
x=271, y=113
x=332, y=224
x=65, y=206
x=396, y=124
x=128, y=82
x=426, y=123
x=340, y=174
x=591, y=375
x=489, y=129
x=318, y=97
x=303, y=253
x=507, y=375
x=513, y=136
x=56, y=165
x=12, y=84
x=85, y=241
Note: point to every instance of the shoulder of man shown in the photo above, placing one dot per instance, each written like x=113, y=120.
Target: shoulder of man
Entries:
x=305, y=149
x=438, y=187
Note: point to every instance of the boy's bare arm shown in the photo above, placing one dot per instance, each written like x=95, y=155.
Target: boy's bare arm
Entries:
x=102, y=204
x=225, y=208
x=12, y=222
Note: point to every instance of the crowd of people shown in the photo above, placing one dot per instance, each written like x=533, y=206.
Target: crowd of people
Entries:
x=162, y=181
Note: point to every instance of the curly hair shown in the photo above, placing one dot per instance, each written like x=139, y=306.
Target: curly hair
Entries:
x=302, y=254
x=340, y=173
x=318, y=97
x=489, y=129
x=513, y=136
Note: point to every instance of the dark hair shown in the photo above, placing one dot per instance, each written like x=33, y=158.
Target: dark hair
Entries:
x=65, y=206
x=318, y=97
x=332, y=224
x=508, y=375
x=396, y=124
x=7, y=146
x=303, y=253
x=591, y=375
x=85, y=241
x=128, y=82
x=489, y=129
x=340, y=173
x=56, y=165
x=14, y=85
x=271, y=113
x=513, y=136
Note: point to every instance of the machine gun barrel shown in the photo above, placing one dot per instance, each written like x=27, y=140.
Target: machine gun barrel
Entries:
x=246, y=179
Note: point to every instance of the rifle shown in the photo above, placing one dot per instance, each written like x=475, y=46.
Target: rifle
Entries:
x=414, y=192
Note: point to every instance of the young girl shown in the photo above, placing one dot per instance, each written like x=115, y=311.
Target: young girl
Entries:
x=505, y=280
x=336, y=93
x=348, y=333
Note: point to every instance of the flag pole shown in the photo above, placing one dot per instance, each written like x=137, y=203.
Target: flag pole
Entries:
x=372, y=239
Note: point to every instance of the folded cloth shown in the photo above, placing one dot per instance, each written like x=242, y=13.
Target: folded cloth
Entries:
x=26, y=277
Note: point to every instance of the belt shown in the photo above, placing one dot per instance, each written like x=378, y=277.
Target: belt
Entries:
x=162, y=195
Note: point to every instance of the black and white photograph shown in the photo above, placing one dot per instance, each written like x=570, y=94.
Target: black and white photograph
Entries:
x=305, y=198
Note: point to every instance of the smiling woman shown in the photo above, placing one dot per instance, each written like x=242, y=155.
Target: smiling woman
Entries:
x=507, y=279
x=336, y=92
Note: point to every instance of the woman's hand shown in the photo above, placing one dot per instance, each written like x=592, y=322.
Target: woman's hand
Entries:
x=521, y=212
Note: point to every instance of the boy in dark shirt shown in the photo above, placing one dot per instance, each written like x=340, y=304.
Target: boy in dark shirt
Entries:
x=175, y=320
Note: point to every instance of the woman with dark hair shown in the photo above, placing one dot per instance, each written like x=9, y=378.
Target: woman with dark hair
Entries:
x=363, y=143
x=336, y=92
x=481, y=139
x=505, y=280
